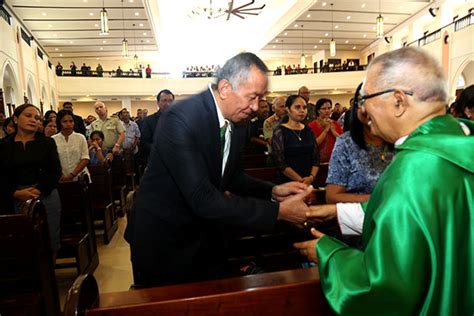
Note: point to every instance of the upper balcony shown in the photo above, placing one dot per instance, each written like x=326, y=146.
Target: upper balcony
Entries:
x=75, y=87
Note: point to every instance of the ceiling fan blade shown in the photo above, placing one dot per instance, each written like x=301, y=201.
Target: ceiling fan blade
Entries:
x=229, y=10
x=236, y=14
x=245, y=5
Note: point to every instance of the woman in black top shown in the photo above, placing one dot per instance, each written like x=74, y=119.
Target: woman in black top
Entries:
x=30, y=168
x=295, y=150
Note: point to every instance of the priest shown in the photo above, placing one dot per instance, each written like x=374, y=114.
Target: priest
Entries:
x=418, y=238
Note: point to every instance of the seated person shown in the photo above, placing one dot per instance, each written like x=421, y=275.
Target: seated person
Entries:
x=295, y=150
x=358, y=160
x=97, y=154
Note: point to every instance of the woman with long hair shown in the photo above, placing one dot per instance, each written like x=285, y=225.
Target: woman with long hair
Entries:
x=31, y=168
x=72, y=147
x=294, y=148
x=325, y=130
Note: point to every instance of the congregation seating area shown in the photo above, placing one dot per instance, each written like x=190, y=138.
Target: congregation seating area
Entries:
x=272, y=278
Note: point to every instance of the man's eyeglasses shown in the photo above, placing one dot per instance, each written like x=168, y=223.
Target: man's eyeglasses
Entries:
x=362, y=98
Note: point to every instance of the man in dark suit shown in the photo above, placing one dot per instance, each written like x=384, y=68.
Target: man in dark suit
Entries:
x=79, y=126
x=163, y=99
x=176, y=229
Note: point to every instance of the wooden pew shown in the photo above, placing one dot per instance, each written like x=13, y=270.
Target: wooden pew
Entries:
x=266, y=173
x=100, y=191
x=27, y=280
x=292, y=292
x=254, y=161
x=77, y=227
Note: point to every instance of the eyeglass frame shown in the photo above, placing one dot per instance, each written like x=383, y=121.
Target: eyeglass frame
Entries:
x=362, y=98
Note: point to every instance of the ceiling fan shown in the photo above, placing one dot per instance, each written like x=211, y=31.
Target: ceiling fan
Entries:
x=243, y=9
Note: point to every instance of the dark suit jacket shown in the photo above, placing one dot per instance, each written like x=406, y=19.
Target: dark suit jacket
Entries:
x=79, y=126
x=147, y=131
x=176, y=226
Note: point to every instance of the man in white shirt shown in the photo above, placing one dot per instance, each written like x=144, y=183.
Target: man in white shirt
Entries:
x=132, y=132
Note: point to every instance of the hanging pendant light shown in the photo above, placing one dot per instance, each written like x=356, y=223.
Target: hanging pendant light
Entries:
x=104, y=21
x=135, y=57
x=303, y=57
x=124, y=41
x=124, y=48
x=379, y=22
x=332, y=44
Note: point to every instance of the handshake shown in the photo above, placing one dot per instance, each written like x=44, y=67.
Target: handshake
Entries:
x=294, y=209
x=294, y=198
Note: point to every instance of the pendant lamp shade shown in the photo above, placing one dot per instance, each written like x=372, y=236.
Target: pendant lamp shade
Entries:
x=379, y=26
x=124, y=47
x=332, y=48
x=104, y=22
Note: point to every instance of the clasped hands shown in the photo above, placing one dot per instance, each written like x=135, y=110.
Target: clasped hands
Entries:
x=293, y=209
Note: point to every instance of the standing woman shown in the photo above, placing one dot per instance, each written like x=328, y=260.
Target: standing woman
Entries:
x=325, y=130
x=31, y=168
x=72, y=147
x=294, y=148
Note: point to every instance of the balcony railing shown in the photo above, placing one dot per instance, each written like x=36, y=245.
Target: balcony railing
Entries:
x=464, y=22
x=429, y=38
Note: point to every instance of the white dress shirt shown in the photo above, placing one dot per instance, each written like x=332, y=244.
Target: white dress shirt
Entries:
x=222, y=122
x=132, y=132
x=71, y=152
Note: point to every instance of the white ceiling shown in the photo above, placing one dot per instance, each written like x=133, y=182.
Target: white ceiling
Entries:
x=72, y=27
x=165, y=28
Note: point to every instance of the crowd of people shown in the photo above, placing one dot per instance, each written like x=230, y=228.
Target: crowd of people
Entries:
x=87, y=71
x=201, y=71
x=347, y=65
x=410, y=214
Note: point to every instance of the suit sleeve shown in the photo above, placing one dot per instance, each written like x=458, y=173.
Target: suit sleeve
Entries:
x=81, y=127
x=146, y=137
x=179, y=149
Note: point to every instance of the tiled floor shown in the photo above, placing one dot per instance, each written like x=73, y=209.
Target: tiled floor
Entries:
x=114, y=273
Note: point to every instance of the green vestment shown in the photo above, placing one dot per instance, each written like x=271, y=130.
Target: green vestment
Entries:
x=418, y=233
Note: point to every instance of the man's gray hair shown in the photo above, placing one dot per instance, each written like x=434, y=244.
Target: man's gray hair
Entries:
x=412, y=69
x=237, y=69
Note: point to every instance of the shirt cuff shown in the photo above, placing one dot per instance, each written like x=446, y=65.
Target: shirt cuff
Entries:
x=351, y=218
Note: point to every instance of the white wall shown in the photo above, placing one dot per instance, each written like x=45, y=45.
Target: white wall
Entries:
x=25, y=64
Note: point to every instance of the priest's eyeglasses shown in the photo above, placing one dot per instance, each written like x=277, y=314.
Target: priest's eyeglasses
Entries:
x=362, y=98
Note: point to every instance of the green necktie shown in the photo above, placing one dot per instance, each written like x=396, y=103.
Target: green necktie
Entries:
x=222, y=133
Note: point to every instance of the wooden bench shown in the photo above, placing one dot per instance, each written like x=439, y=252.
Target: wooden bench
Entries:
x=27, y=280
x=77, y=227
x=100, y=192
x=254, y=161
x=266, y=173
x=292, y=292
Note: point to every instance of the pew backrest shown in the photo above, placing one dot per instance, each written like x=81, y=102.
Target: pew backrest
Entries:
x=27, y=279
x=292, y=292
